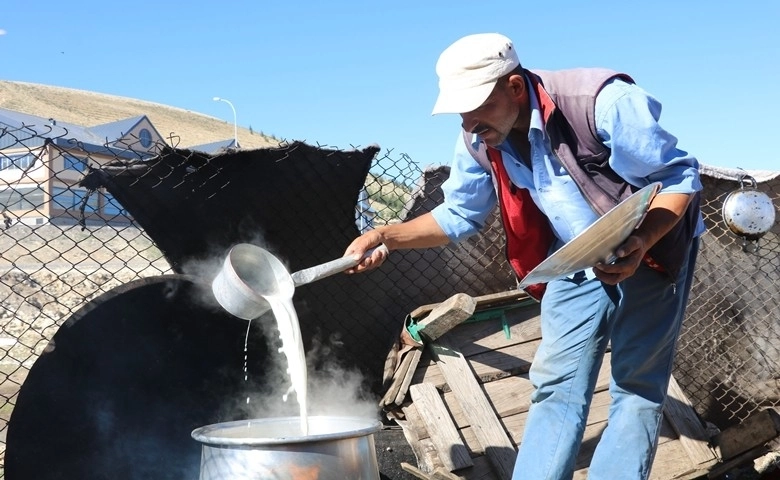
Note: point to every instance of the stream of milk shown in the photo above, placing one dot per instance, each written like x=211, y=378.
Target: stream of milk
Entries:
x=292, y=348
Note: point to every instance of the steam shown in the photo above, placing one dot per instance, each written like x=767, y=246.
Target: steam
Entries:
x=207, y=268
x=333, y=389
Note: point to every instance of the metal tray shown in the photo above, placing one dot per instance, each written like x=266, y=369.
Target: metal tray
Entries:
x=598, y=242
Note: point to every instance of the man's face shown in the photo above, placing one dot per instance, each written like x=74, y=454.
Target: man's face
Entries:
x=495, y=118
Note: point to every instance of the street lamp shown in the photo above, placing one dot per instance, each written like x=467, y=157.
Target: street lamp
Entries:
x=235, y=123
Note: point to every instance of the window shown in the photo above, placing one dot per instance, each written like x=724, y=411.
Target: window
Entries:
x=111, y=206
x=71, y=198
x=20, y=162
x=146, y=138
x=74, y=163
x=25, y=198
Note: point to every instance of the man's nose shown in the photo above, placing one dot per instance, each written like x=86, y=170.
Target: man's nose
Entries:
x=468, y=122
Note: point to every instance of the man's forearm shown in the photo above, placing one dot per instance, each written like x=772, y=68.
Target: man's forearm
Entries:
x=420, y=232
x=664, y=213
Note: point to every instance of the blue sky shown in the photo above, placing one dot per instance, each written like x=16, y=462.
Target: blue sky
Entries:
x=352, y=73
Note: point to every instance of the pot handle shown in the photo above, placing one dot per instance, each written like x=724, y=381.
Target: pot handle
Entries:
x=317, y=272
x=753, y=184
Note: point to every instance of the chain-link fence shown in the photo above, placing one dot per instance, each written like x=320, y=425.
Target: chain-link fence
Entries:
x=79, y=222
x=729, y=351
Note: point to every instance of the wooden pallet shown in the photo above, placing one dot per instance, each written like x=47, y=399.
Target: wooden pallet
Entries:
x=463, y=399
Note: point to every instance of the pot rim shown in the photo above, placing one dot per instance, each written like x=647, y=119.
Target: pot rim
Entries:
x=360, y=427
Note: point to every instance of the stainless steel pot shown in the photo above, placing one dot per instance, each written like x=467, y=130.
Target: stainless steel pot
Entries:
x=748, y=212
x=336, y=448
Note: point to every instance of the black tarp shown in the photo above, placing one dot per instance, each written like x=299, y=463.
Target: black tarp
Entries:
x=297, y=201
x=125, y=380
x=128, y=376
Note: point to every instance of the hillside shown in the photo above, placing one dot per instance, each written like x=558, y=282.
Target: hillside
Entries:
x=89, y=109
x=386, y=195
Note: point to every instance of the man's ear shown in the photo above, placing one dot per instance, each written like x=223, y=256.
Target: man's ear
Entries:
x=516, y=85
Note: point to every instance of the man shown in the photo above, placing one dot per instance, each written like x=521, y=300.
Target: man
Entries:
x=556, y=150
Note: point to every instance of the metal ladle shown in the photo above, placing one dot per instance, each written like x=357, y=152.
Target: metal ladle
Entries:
x=251, y=274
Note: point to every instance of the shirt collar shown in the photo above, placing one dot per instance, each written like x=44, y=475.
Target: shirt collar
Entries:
x=537, y=121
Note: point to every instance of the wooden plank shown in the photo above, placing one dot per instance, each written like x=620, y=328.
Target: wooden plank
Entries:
x=472, y=442
x=477, y=337
x=391, y=364
x=481, y=470
x=411, y=469
x=590, y=439
x=452, y=452
x=500, y=298
x=671, y=462
x=511, y=395
x=488, y=366
x=693, y=436
x=508, y=396
x=599, y=413
x=488, y=429
x=404, y=370
x=446, y=315
x=667, y=433
x=740, y=460
x=597, y=423
x=599, y=406
x=501, y=363
x=414, y=358
x=754, y=431
x=480, y=337
x=483, y=301
x=416, y=434
x=414, y=422
x=514, y=422
x=442, y=473
x=592, y=434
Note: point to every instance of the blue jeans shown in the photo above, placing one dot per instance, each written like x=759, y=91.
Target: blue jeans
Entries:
x=641, y=317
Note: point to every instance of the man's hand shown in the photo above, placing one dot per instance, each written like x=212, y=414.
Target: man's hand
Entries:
x=630, y=255
x=665, y=210
x=420, y=232
x=361, y=245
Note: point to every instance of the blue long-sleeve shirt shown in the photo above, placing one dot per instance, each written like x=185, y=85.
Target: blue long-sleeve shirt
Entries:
x=627, y=122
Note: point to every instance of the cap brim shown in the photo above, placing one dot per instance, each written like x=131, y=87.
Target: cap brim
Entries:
x=462, y=100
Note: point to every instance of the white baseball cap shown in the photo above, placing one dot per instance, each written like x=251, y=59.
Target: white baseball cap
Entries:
x=469, y=68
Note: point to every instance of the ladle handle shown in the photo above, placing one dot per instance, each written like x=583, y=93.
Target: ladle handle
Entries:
x=318, y=272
